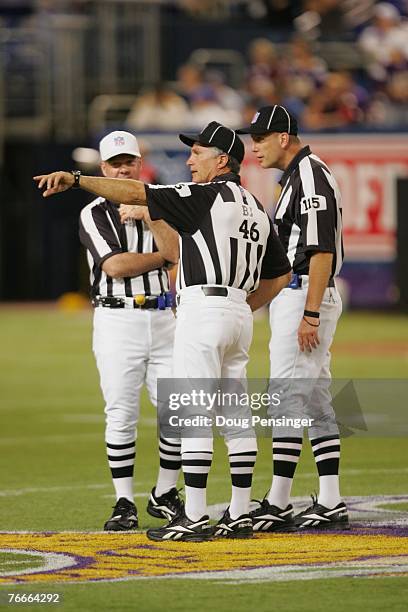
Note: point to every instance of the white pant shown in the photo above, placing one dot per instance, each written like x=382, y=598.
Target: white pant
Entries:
x=131, y=347
x=287, y=361
x=212, y=340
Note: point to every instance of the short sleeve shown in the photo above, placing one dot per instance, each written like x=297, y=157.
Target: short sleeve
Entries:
x=318, y=215
x=183, y=206
x=97, y=234
x=275, y=262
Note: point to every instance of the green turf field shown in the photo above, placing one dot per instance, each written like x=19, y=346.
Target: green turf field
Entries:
x=54, y=476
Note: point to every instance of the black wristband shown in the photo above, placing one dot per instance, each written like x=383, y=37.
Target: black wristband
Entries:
x=77, y=176
x=311, y=324
x=311, y=313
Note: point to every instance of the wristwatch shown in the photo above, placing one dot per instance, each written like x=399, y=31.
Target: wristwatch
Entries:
x=77, y=175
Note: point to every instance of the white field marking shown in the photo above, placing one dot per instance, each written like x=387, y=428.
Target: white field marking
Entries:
x=360, y=508
x=286, y=573
x=27, y=490
x=49, y=438
x=52, y=562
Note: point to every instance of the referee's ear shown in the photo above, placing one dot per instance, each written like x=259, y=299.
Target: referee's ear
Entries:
x=284, y=140
x=223, y=161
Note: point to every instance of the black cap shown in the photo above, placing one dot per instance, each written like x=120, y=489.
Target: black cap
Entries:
x=216, y=135
x=271, y=119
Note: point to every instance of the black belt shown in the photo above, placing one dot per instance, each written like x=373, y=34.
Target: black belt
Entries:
x=214, y=291
x=296, y=282
x=150, y=303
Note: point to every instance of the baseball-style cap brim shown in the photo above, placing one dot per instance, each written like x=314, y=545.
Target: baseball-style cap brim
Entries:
x=217, y=135
x=108, y=156
x=190, y=139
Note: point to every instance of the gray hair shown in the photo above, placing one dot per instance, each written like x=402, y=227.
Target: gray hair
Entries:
x=233, y=164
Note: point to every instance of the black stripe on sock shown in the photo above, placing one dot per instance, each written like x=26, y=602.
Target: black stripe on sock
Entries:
x=122, y=457
x=164, y=441
x=122, y=472
x=170, y=465
x=294, y=452
x=199, y=481
x=284, y=468
x=327, y=449
x=121, y=446
x=324, y=439
x=328, y=467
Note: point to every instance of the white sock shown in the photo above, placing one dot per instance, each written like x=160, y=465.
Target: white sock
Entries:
x=329, y=491
x=123, y=488
x=166, y=480
x=280, y=491
x=196, y=502
x=240, y=498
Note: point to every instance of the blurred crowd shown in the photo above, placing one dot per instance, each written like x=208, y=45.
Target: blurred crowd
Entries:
x=294, y=73
x=374, y=95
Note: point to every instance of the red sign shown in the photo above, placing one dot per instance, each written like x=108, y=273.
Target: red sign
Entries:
x=366, y=168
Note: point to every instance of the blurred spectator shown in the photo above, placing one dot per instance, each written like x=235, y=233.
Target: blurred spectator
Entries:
x=322, y=19
x=389, y=108
x=305, y=71
x=205, y=108
x=159, y=109
x=385, y=42
x=190, y=82
x=263, y=61
x=227, y=97
x=339, y=103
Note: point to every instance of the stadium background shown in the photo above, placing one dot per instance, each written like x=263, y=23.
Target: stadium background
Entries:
x=70, y=71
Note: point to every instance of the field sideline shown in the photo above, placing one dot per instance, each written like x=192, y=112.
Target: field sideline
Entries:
x=55, y=479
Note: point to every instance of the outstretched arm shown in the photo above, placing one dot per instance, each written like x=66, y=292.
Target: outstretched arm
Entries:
x=125, y=191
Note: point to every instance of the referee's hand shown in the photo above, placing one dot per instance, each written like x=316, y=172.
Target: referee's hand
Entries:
x=56, y=182
x=308, y=337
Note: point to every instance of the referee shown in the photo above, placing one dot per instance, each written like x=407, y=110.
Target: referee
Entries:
x=303, y=318
x=231, y=262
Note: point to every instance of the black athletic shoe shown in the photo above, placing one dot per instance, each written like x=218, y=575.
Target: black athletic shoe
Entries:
x=165, y=506
x=182, y=529
x=234, y=528
x=320, y=517
x=271, y=519
x=124, y=516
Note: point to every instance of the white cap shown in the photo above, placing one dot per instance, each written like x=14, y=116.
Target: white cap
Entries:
x=118, y=143
x=386, y=11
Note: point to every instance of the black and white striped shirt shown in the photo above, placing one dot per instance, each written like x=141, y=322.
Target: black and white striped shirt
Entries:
x=308, y=214
x=226, y=237
x=103, y=235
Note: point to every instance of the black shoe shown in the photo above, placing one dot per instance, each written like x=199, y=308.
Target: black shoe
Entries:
x=124, y=516
x=271, y=519
x=320, y=517
x=165, y=506
x=182, y=529
x=234, y=528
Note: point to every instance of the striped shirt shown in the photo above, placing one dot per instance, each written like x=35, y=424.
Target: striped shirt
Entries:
x=103, y=235
x=226, y=237
x=308, y=214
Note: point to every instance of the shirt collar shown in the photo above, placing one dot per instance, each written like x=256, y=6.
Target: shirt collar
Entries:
x=294, y=163
x=230, y=176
